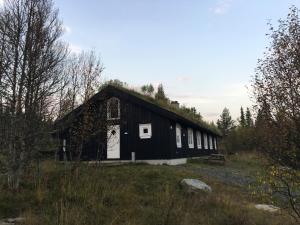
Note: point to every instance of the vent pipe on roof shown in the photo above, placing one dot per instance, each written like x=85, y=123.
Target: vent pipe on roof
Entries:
x=175, y=104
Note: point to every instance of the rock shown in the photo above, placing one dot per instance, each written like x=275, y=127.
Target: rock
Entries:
x=5, y=223
x=11, y=221
x=268, y=208
x=15, y=220
x=195, y=185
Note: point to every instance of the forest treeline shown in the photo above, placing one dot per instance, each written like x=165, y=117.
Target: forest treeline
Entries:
x=237, y=135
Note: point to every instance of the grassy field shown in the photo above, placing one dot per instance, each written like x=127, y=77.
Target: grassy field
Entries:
x=135, y=194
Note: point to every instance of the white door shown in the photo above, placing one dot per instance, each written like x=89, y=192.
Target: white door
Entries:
x=113, y=142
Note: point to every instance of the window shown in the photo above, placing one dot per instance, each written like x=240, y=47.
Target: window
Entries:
x=205, y=141
x=145, y=131
x=178, y=136
x=210, y=142
x=198, y=136
x=190, y=138
x=215, y=142
x=113, y=109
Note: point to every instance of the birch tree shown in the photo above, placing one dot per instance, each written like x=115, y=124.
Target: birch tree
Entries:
x=30, y=72
x=276, y=88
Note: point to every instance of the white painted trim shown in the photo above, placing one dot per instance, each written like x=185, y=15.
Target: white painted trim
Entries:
x=210, y=143
x=171, y=162
x=178, y=135
x=215, y=143
x=108, y=109
x=191, y=138
x=205, y=141
x=141, y=131
x=198, y=139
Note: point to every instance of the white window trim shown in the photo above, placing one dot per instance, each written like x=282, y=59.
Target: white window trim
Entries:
x=205, y=141
x=191, y=138
x=178, y=134
x=215, y=143
x=109, y=111
x=211, y=143
x=141, y=131
x=199, y=141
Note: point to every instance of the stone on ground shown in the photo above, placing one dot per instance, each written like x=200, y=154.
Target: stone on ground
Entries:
x=195, y=185
x=12, y=221
x=268, y=208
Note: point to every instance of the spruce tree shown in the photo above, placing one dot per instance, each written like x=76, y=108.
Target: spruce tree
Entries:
x=144, y=89
x=150, y=89
x=249, y=120
x=242, y=118
x=225, y=123
x=160, y=94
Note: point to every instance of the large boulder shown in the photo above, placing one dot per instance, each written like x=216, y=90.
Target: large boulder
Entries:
x=195, y=185
x=268, y=208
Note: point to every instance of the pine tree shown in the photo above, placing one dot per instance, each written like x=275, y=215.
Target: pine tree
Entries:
x=150, y=89
x=144, y=89
x=249, y=120
x=242, y=118
x=160, y=94
x=225, y=123
x=147, y=89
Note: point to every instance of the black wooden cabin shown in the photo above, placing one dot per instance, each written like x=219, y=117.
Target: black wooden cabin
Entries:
x=127, y=126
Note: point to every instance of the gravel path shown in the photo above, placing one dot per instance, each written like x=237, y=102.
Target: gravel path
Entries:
x=223, y=174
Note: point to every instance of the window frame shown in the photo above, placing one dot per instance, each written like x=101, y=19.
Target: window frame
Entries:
x=211, y=147
x=191, y=142
x=205, y=140
x=215, y=143
x=198, y=139
x=109, y=109
x=178, y=133
x=144, y=126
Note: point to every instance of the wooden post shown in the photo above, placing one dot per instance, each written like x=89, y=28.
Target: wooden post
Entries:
x=133, y=157
x=64, y=149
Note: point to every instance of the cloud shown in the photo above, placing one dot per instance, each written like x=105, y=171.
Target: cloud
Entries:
x=183, y=78
x=210, y=104
x=221, y=7
x=1, y=2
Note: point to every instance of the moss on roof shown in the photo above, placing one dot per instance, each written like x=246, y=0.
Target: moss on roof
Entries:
x=167, y=106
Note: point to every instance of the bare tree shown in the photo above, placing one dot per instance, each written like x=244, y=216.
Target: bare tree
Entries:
x=30, y=71
x=82, y=73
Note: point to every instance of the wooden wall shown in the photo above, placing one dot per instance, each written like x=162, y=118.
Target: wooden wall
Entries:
x=162, y=144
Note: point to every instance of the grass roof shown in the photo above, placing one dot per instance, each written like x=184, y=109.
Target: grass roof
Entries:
x=167, y=106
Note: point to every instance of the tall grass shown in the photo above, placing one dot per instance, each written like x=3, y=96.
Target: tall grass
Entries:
x=128, y=194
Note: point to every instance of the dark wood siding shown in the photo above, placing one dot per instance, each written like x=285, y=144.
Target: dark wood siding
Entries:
x=161, y=145
x=156, y=147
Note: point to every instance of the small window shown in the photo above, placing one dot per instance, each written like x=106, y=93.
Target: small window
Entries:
x=190, y=138
x=199, y=144
x=205, y=141
x=113, y=109
x=178, y=136
x=210, y=142
x=215, y=142
x=145, y=131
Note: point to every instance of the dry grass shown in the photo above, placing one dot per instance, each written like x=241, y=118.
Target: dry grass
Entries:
x=129, y=194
